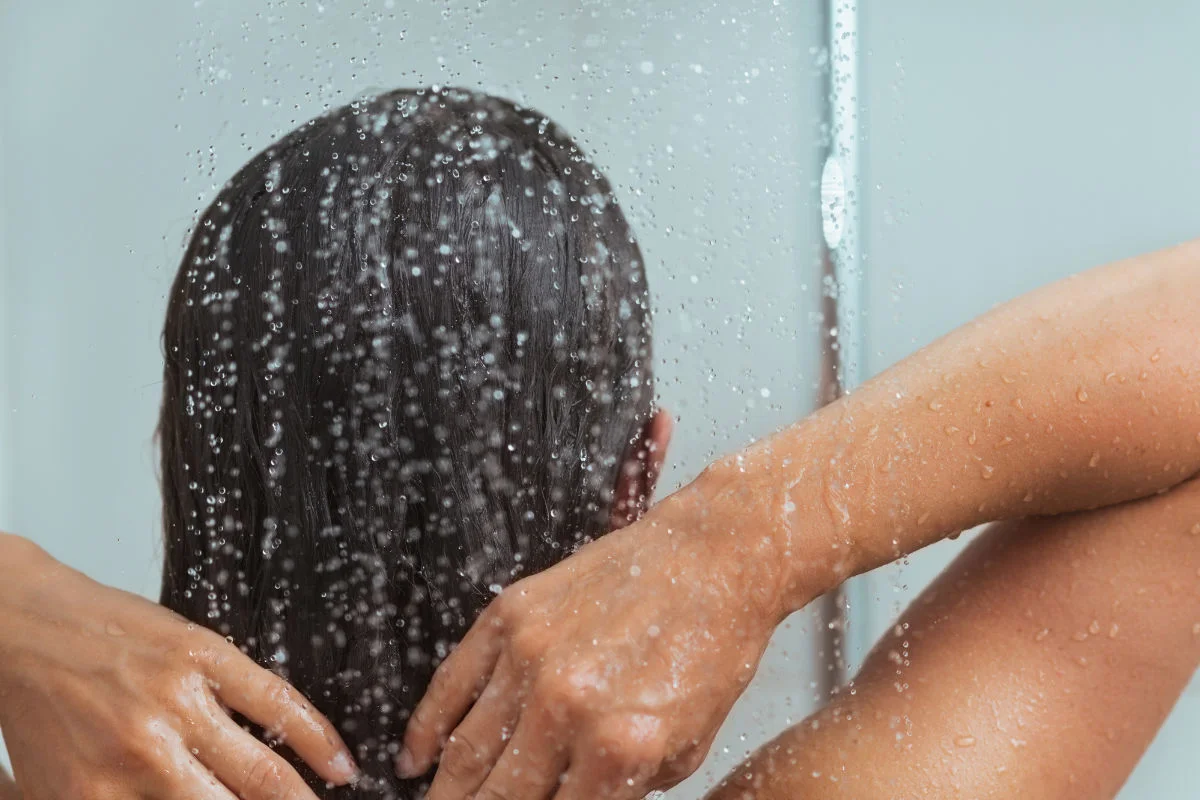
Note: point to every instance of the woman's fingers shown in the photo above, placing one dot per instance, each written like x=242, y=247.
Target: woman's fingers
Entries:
x=582, y=785
x=246, y=766
x=454, y=686
x=196, y=782
x=622, y=758
x=531, y=767
x=585, y=781
x=274, y=704
x=479, y=741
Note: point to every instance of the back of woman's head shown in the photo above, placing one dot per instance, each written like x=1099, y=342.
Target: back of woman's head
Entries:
x=407, y=352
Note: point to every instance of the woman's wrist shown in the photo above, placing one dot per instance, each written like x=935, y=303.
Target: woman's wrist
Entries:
x=773, y=500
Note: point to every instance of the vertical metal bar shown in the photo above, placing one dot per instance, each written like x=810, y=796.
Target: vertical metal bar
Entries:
x=841, y=335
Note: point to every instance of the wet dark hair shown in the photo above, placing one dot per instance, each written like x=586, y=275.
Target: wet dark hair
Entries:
x=406, y=354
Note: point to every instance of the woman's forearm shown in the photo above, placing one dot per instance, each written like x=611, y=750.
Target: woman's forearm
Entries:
x=1082, y=394
x=1039, y=665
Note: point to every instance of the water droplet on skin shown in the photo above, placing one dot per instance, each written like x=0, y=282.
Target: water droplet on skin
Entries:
x=653, y=631
x=972, y=439
x=1042, y=634
x=1095, y=460
x=1113, y=631
x=1196, y=529
x=1080, y=636
x=965, y=741
x=1094, y=628
x=1082, y=395
x=987, y=472
x=635, y=570
x=113, y=629
x=935, y=405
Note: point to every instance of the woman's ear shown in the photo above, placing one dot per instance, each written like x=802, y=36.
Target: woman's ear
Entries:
x=639, y=474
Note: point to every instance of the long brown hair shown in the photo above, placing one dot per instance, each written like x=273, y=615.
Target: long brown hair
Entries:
x=406, y=353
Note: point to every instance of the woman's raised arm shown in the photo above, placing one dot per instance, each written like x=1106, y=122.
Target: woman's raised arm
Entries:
x=610, y=673
x=1039, y=665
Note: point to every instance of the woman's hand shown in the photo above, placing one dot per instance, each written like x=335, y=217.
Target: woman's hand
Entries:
x=106, y=695
x=608, y=675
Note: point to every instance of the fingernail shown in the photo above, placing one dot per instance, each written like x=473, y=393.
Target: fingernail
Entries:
x=344, y=766
x=406, y=765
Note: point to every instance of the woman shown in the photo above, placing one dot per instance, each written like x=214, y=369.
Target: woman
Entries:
x=709, y=596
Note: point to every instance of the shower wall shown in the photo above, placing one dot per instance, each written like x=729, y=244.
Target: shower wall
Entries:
x=120, y=119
